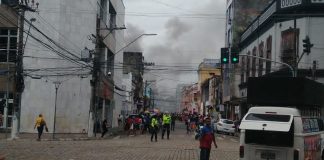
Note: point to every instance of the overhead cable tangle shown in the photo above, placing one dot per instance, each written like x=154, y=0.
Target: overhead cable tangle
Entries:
x=43, y=43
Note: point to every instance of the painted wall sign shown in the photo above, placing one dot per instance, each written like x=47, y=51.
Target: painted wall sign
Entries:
x=290, y=3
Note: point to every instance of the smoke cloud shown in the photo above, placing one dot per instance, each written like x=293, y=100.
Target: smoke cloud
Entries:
x=187, y=42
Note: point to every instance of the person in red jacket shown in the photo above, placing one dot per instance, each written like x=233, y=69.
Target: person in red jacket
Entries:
x=207, y=137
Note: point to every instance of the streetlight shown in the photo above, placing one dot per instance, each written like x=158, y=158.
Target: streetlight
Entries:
x=57, y=85
x=144, y=34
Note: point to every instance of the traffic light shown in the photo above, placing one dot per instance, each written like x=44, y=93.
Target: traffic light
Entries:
x=224, y=55
x=307, y=45
x=234, y=57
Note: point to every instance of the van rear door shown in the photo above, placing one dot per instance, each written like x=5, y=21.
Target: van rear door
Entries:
x=267, y=122
x=268, y=136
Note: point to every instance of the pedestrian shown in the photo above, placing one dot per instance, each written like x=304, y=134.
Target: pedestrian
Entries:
x=0, y=119
x=154, y=128
x=104, y=127
x=146, y=122
x=120, y=119
x=40, y=124
x=173, y=119
x=207, y=137
x=131, y=130
x=166, y=121
x=188, y=125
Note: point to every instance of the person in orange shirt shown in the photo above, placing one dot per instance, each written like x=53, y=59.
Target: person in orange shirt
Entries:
x=40, y=124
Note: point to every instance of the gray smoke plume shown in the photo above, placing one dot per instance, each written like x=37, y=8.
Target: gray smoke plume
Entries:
x=176, y=28
x=188, y=41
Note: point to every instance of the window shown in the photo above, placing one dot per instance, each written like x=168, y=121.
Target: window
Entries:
x=254, y=62
x=261, y=48
x=269, y=47
x=288, y=51
x=226, y=121
x=103, y=10
x=112, y=13
x=268, y=117
x=270, y=138
x=8, y=45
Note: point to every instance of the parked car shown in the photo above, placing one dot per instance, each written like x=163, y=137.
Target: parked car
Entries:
x=225, y=126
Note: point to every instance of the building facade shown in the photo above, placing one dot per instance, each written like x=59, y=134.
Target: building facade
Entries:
x=207, y=71
x=133, y=63
x=57, y=81
x=8, y=59
x=239, y=14
x=278, y=36
x=191, y=99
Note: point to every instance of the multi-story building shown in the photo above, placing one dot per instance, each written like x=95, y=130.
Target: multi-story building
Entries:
x=277, y=35
x=128, y=104
x=57, y=81
x=179, y=89
x=133, y=63
x=8, y=54
x=191, y=99
x=207, y=71
x=239, y=14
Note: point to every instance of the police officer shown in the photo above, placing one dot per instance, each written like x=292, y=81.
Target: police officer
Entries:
x=166, y=120
x=154, y=128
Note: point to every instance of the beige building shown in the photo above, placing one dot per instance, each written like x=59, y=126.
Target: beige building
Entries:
x=208, y=70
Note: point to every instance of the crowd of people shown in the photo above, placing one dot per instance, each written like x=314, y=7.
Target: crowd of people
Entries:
x=150, y=123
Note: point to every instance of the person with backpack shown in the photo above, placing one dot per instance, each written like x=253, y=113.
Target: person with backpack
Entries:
x=40, y=124
x=206, y=138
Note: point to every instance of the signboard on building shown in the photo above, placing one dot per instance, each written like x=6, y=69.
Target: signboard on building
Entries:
x=290, y=3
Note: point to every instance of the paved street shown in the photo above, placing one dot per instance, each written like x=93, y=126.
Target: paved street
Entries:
x=180, y=147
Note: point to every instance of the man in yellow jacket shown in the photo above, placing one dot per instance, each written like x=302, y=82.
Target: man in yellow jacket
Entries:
x=40, y=124
x=154, y=128
x=166, y=121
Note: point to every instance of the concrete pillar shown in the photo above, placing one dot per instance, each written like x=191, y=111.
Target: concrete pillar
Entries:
x=90, y=125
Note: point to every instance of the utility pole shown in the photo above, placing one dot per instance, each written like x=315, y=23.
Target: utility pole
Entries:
x=57, y=85
x=92, y=126
x=145, y=101
x=22, y=8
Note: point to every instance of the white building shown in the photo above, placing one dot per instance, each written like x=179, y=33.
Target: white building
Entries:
x=239, y=14
x=278, y=34
x=128, y=103
x=71, y=27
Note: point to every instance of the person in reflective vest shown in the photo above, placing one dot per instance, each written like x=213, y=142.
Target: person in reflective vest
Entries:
x=154, y=128
x=166, y=121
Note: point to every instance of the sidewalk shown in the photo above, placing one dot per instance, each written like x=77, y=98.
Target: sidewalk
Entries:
x=112, y=132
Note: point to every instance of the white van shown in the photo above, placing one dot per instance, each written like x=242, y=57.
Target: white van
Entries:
x=280, y=133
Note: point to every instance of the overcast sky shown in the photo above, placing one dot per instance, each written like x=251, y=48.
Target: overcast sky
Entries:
x=188, y=31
